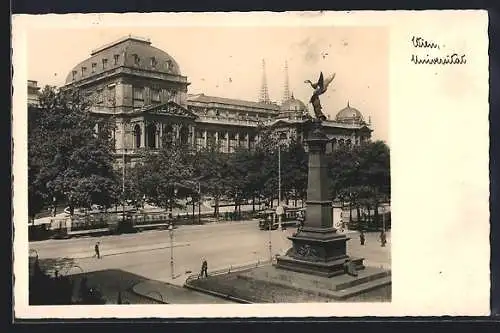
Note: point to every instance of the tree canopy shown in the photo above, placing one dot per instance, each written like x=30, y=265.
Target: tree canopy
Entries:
x=67, y=160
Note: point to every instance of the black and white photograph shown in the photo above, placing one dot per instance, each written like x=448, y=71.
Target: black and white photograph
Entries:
x=215, y=164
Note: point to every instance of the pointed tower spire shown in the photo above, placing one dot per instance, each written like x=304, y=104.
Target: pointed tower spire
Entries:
x=264, y=94
x=286, y=90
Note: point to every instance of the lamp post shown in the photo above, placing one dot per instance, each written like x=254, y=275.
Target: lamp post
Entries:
x=171, y=232
x=279, y=209
x=270, y=225
x=199, y=203
x=123, y=171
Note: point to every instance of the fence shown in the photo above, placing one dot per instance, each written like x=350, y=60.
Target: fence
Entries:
x=230, y=269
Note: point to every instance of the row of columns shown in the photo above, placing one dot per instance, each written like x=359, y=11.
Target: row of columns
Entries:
x=139, y=135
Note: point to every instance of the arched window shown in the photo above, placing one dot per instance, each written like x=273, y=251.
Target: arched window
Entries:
x=137, y=136
x=151, y=135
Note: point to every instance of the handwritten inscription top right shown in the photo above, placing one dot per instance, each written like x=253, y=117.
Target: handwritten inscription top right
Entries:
x=427, y=52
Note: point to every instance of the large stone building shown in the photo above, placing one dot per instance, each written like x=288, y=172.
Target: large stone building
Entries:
x=141, y=88
x=33, y=93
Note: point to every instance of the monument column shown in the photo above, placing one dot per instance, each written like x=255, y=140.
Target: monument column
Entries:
x=317, y=248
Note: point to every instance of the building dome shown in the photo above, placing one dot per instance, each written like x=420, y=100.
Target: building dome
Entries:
x=293, y=104
x=131, y=52
x=349, y=115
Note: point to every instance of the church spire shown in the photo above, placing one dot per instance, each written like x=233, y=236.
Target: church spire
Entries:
x=264, y=94
x=286, y=88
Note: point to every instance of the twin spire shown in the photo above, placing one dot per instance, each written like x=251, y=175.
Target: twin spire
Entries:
x=264, y=92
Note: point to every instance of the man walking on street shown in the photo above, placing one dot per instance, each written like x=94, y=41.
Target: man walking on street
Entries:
x=204, y=268
x=362, y=237
x=383, y=238
x=96, y=249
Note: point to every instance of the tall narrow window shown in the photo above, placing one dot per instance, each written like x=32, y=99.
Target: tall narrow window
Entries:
x=84, y=71
x=153, y=62
x=94, y=66
x=74, y=75
x=137, y=60
x=116, y=57
x=104, y=63
x=99, y=96
x=155, y=95
x=138, y=97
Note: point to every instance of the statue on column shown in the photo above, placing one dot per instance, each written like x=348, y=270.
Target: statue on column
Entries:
x=320, y=88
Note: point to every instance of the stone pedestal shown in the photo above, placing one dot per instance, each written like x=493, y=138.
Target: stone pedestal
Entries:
x=317, y=248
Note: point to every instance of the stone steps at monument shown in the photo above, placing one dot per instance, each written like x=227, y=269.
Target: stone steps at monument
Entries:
x=361, y=280
x=363, y=288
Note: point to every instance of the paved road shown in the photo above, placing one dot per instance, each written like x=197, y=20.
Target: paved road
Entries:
x=147, y=254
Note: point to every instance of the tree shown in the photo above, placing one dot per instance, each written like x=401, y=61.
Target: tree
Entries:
x=164, y=176
x=67, y=160
x=212, y=170
x=294, y=170
x=360, y=175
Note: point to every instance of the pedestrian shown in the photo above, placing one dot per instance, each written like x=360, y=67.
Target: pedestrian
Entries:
x=97, y=252
x=383, y=238
x=362, y=237
x=204, y=268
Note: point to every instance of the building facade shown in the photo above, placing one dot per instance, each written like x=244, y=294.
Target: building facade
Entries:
x=33, y=93
x=141, y=89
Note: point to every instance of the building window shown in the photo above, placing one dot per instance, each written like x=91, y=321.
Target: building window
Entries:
x=153, y=62
x=84, y=71
x=168, y=64
x=111, y=95
x=137, y=60
x=137, y=136
x=100, y=96
x=139, y=93
x=155, y=95
x=74, y=75
x=116, y=57
x=138, y=97
x=104, y=63
x=94, y=65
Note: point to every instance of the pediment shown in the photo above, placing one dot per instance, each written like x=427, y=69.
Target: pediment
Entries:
x=170, y=109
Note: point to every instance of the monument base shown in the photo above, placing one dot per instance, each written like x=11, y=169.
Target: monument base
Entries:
x=318, y=251
x=371, y=284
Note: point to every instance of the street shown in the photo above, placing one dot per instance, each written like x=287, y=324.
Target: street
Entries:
x=147, y=254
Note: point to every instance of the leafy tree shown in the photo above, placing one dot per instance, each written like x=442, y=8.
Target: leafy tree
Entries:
x=213, y=170
x=294, y=169
x=161, y=174
x=66, y=159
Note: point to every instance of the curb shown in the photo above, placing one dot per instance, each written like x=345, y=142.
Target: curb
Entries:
x=216, y=294
x=147, y=296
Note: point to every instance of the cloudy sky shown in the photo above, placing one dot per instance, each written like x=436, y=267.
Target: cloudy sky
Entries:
x=227, y=62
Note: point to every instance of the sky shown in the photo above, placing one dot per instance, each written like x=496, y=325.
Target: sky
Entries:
x=227, y=61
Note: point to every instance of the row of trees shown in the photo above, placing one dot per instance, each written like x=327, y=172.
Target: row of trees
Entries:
x=69, y=162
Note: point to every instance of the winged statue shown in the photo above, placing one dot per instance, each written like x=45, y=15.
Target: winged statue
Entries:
x=320, y=88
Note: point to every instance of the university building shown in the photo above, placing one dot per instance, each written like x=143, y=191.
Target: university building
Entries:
x=141, y=88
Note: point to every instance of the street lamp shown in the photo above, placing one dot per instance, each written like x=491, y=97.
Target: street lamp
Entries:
x=199, y=203
x=270, y=225
x=171, y=232
x=280, y=208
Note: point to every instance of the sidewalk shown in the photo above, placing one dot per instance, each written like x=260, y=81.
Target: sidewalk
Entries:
x=172, y=294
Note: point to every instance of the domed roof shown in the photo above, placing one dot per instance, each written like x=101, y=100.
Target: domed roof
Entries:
x=293, y=104
x=349, y=115
x=130, y=52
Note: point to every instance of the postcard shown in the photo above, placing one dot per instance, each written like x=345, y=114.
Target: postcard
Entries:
x=236, y=165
